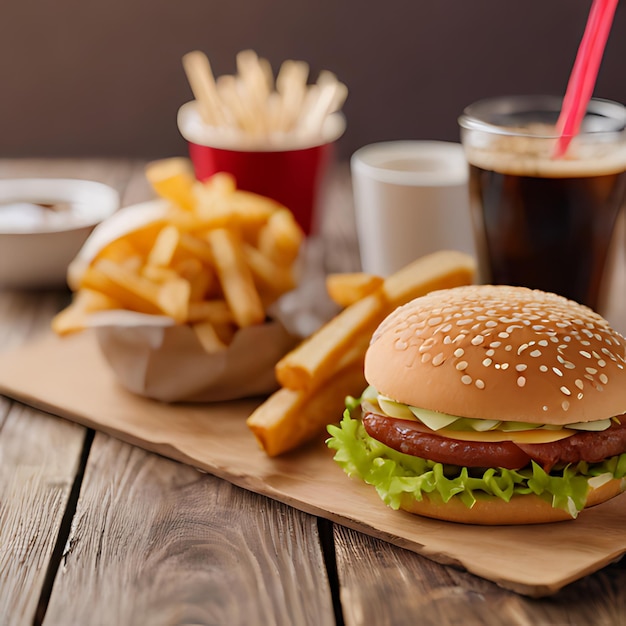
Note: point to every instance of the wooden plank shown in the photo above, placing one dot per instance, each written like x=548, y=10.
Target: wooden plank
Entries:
x=39, y=458
x=157, y=542
x=39, y=454
x=384, y=585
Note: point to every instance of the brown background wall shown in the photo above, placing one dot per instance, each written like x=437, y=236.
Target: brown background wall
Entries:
x=87, y=77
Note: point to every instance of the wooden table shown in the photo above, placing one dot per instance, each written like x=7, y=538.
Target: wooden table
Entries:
x=97, y=531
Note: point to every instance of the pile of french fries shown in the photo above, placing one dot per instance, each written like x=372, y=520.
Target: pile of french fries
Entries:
x=318, y=374
x=254, y=103
x=216, y=261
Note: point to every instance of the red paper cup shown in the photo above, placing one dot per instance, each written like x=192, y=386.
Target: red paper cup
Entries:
x=293, y=176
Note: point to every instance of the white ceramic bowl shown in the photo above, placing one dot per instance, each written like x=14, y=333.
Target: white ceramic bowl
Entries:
x=44, y=223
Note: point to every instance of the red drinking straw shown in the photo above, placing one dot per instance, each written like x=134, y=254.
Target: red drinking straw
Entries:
x=584, y=73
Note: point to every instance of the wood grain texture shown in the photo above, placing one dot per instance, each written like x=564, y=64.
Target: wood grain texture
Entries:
x=39, y=457
x=384, y=585
x=157, y=542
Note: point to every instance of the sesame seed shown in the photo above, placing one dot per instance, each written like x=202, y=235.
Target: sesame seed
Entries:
x=566, y=391
x=602, y=363
x=604, y=379
x=584, y=353
x=543, y=368
x=479, y=383
x=459, y=352
x=535, y=353
x=557, y=371
x=591, y=370
x=461, y=365
x=521, y=367
x=579, y=383
x=490, y=352
x=464, y=322
x=565, y=405
x=543, y=343
x=487, y=362
x=426, y=357
x=438, y=359
x=521, y=381
x=504, y=366
x=466, y=380
x=476, y=341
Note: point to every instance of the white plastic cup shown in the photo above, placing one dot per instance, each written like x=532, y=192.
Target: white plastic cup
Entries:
x=411, y=198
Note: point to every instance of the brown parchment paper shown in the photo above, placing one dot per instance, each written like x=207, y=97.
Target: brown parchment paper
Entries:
x=155, y=358
x=70, y=378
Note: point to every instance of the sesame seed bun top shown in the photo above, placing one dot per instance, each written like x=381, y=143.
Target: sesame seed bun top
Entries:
x=499, y=352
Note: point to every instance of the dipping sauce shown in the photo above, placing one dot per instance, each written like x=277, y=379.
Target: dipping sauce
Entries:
x=25, y=216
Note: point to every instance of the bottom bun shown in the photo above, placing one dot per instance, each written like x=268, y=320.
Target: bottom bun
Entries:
x=492, y=511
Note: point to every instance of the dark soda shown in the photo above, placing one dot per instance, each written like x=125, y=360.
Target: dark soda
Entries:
x=549, y=232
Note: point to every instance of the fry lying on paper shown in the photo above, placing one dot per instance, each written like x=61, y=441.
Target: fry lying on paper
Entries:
x=319, y=373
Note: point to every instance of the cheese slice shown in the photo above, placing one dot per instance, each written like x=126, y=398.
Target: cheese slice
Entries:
x=521, y=436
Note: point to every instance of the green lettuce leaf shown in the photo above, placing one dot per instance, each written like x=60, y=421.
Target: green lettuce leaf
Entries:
x=396, y=475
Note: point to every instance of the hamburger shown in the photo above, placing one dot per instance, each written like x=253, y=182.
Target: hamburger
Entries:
x=490, y=405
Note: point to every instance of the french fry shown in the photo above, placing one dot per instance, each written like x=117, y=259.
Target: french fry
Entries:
x=215, y=311
x=173, y=299
x=158, y=274
x=252, y=102
x=85, y=302
x=195, y=247
x=346, y=289
x=439, y=270
x=317, y=375
x=268, y=275
x=208, y=337
x=164, y=247
x=311, y=363
x=131, y=290
x=201, y=278
x=173, y=179
x=119, y=250
x=289, y=418
x=281, y=237
x=235, y=278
